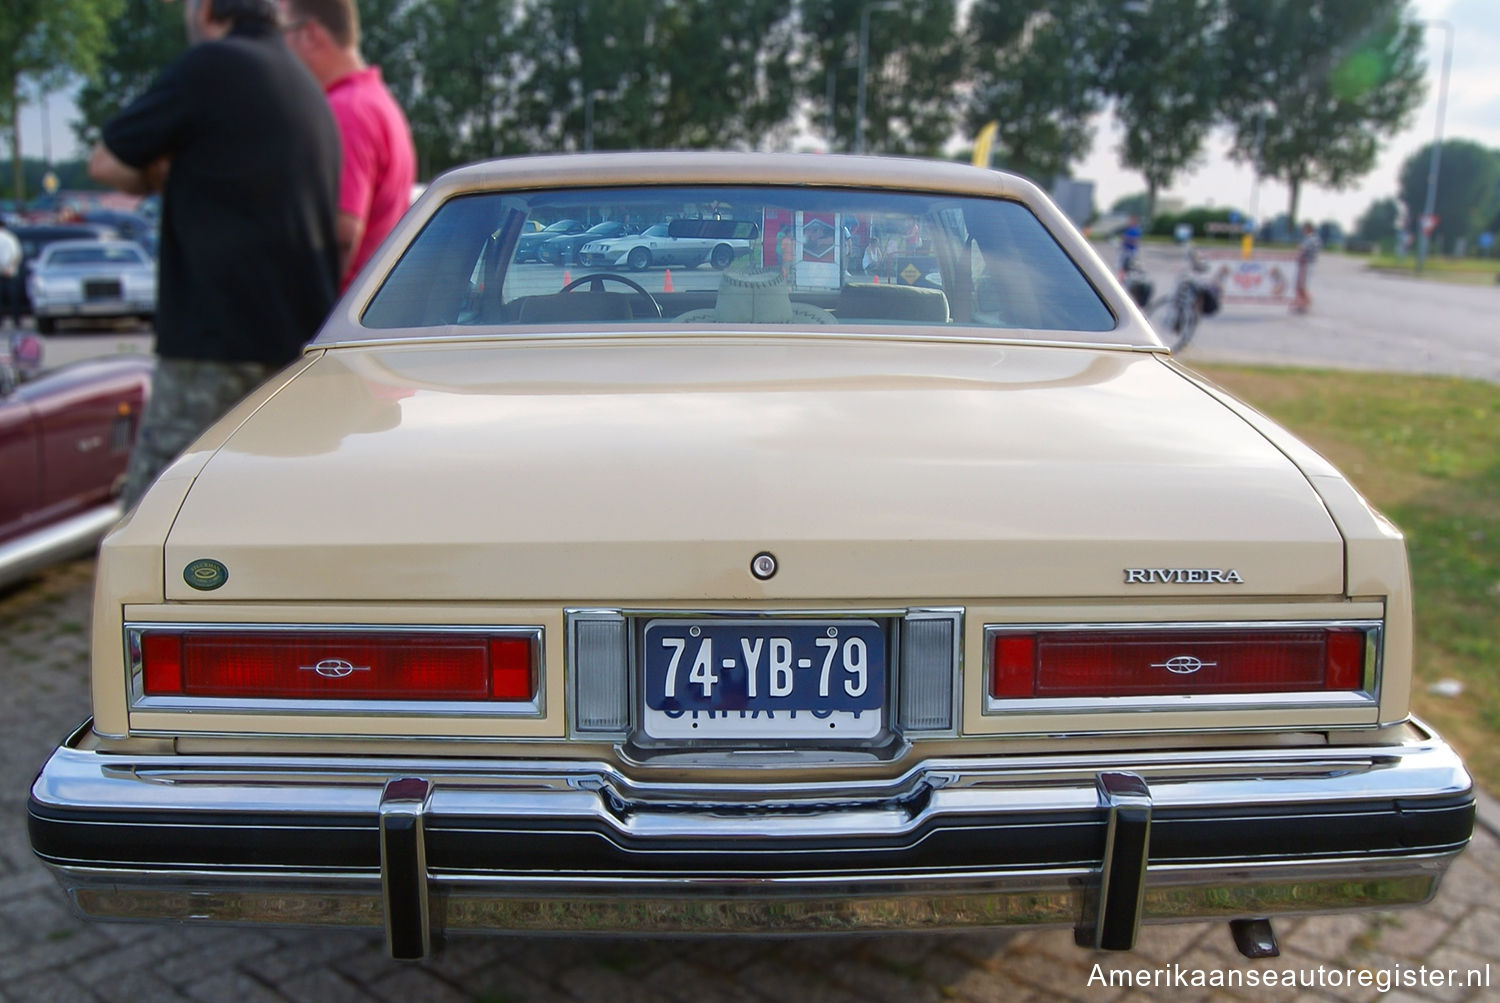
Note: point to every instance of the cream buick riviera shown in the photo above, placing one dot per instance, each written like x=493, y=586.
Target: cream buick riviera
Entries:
x=891, y=575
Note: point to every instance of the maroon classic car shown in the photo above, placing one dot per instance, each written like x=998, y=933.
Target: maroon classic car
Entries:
x=65, y=437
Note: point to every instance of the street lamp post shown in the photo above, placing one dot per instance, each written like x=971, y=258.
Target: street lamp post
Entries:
x=1247, y=245
x=588, y=121
x=1437, y=145
x=864, y=60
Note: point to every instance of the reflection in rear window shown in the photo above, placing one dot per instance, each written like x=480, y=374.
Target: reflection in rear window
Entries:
x=741, y=255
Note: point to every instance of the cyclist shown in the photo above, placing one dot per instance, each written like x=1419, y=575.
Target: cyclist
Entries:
x=1130, y=246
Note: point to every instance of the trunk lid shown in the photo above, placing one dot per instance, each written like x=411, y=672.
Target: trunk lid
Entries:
x=656, y=469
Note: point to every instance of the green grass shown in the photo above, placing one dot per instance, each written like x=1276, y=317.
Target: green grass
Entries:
x=1426, y=452
x=1468, y=271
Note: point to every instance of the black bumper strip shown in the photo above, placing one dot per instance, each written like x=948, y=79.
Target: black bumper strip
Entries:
x=246, y=840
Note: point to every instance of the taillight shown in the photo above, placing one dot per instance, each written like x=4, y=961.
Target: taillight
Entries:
x=1175, y=660
x=339, y=665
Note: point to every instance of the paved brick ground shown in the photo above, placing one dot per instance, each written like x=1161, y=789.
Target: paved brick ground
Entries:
x=46, y=954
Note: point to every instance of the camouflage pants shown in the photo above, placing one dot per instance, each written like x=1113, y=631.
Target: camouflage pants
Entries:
x=187, y=396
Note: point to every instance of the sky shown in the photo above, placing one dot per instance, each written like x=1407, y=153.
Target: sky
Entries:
x=1473, y=112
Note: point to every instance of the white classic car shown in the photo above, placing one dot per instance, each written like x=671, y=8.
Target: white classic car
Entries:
x=92, y=279
x=787, y=600
x=683, y=242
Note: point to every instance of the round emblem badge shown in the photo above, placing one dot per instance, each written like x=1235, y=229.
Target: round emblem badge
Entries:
x=205, y=575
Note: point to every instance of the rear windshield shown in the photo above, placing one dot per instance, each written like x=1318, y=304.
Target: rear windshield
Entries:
x=100, y=255
x=736, y=256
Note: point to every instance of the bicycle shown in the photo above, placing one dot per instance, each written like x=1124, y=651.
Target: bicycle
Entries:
x=1179, y=311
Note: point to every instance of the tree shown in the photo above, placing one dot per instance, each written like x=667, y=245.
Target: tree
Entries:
x=913, y=62
x=1039, y=74
x=1378, y=224
x=1468, y=191
x=458, y=73
x=655, y=74
x=1317, y=84
x=72, y=175
x=724, y=72
x=386, y=40
x=144, y=38
x=41, y=43
x=1164, y=79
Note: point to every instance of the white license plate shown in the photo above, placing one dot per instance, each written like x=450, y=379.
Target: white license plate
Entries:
x=764, y=679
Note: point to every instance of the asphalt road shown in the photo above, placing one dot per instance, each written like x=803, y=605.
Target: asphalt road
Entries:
x=1359, y=320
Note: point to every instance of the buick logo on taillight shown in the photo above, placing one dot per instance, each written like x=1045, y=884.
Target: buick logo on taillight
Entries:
x=1183, y=665
x=334, y=668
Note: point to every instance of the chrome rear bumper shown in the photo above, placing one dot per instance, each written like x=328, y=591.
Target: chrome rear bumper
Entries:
x=1100, y=843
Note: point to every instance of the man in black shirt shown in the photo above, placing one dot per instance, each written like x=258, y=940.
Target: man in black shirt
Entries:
x=237, y=135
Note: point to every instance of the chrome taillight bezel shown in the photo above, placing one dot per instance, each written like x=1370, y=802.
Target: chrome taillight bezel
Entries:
x=332, y=707
x=1366, y=697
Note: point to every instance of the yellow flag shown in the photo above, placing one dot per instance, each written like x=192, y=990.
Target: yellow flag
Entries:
x=982, y=144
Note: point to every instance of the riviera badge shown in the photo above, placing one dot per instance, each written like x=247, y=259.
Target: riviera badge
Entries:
x=1182, y=576
x=205, y=575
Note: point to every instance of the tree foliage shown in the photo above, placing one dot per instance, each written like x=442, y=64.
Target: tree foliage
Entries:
x=1165, y=79
x=1039, y=72
x=42, y=42
x=1323, y=80
x=913, y=63
x=1317, y=84
x=1378, y=223
x=145, y=36
x=663, y=74
x=1468, y=191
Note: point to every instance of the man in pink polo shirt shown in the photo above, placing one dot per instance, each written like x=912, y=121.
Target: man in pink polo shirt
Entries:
x=379, y=163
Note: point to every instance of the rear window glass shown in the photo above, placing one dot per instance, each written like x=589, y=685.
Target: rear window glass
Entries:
x=100, y=255
x=735, y=256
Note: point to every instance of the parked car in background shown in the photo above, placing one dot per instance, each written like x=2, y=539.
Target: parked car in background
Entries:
x=686, y=243
x=35, y=238
x=92, y=280
x=65, y=437
x=779, y=600
x=128, y=225
x=563, y=250
x=531, y=241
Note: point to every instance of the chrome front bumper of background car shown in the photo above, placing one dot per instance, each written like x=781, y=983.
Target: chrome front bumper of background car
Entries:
x=1098, y=842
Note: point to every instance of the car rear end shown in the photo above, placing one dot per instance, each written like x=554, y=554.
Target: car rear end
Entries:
x=842, y=727
x=749, y=628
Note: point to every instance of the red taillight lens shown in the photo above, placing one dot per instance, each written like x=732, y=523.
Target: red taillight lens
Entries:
x=161, y=657
x=339, y=666
x=1135, y=662
x=511, y=669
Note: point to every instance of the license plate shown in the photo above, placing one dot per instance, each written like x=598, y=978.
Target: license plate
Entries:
x=715, y=679
x=101, y=290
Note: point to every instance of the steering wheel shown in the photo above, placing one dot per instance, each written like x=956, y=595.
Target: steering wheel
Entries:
x=596, y=285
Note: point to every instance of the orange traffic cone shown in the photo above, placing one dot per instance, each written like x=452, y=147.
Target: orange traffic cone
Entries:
x=567, y=278
x=666, y=285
